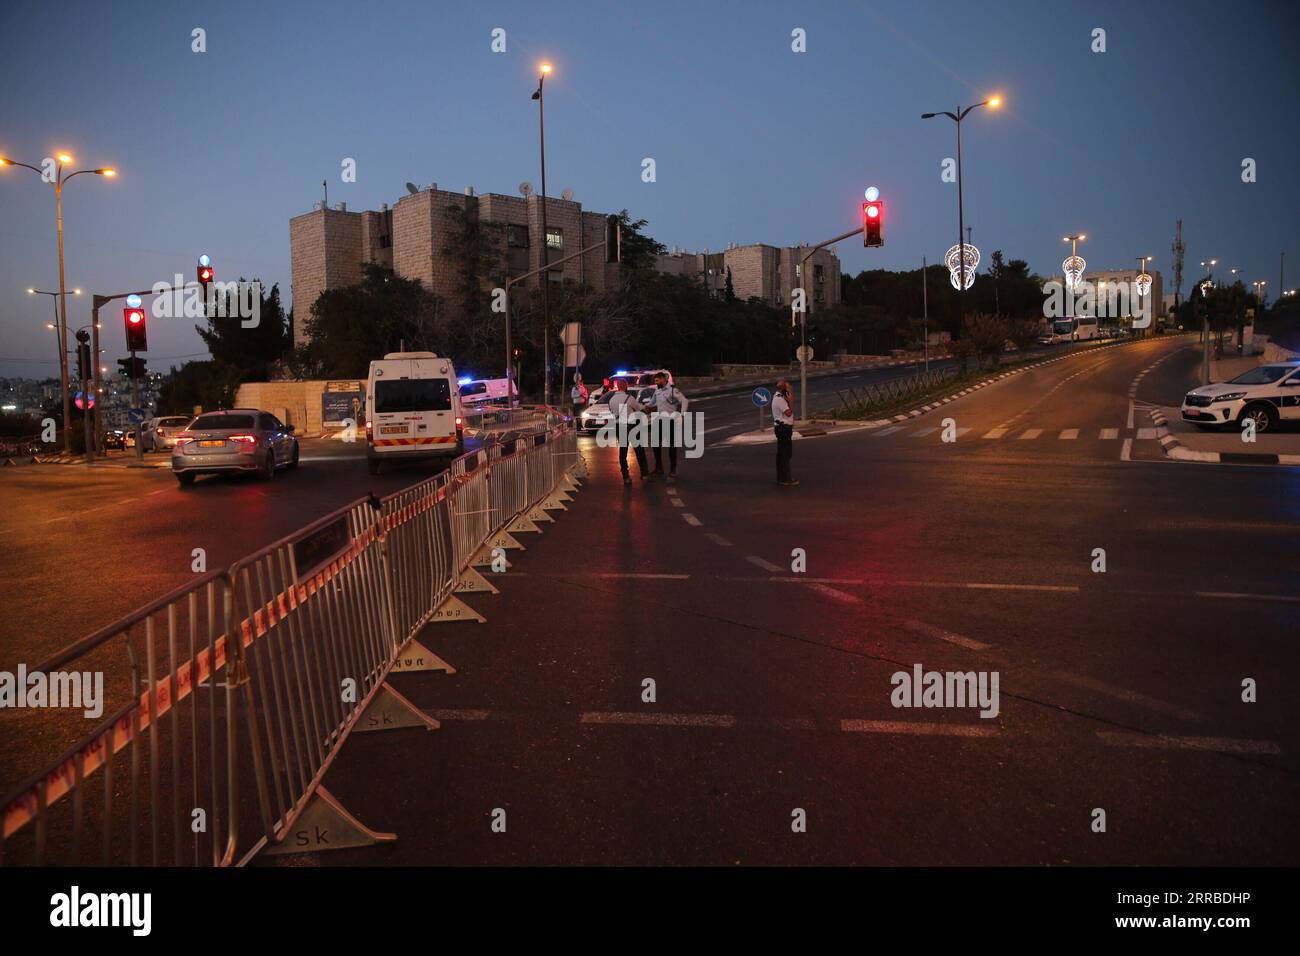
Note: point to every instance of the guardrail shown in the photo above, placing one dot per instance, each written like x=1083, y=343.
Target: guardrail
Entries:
x=894, y=389
x=269, y=665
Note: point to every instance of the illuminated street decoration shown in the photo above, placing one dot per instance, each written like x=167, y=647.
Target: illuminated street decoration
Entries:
x=953, y=259
x=1073, y=267
x=1143, y=284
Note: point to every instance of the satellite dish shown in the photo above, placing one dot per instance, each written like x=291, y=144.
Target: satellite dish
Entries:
x=412, y=188
x=567, y=195
x=525, y=189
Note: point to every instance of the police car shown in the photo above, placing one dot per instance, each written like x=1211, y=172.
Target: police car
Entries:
x=1267, y=394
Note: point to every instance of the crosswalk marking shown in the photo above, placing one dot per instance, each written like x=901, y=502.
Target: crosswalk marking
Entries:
x=1109, y=433
x=888, y=431
x=1028, y=434
x=1069, y=434
x=1031, y=433
x=1146, y=433
x=996, y=432
x=922, y=432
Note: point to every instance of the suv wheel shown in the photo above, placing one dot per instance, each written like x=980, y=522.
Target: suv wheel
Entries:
x=268, y=469
x=293, y=462
x=1264, y=416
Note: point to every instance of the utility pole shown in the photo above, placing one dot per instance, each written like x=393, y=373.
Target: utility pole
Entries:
x=925, y=310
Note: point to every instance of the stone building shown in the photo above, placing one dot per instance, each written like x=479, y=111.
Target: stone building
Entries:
x=759, y=271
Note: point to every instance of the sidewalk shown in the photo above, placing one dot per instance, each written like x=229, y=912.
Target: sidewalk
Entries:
x=1184, y=441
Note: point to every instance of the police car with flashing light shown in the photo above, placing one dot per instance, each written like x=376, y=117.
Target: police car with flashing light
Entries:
x=1267, y=394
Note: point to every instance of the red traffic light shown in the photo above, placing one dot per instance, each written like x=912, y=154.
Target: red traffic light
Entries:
x=873, y=220
x=136, y=330
x=205, y=275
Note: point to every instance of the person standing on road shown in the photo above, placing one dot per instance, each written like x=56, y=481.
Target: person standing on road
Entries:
x=622, y=407
x=783, y=425
x=579, y=395
x=671, y=405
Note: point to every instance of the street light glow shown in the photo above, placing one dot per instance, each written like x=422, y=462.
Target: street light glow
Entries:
x=64, y=158
x=107, y=171
x=995, y=102
x=546, y=68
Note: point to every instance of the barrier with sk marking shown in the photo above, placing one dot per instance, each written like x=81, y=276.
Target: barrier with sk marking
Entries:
x=228, y=700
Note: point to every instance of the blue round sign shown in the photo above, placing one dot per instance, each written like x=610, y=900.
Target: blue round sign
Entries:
x=761, y=396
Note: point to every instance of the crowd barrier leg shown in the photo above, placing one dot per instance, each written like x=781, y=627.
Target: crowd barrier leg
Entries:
x=454, y=609
x=414, y=656
x=326, y=825
x=471, y=582
x=390, y=710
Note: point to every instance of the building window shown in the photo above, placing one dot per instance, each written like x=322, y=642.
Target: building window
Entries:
x=554, y=237
x=819, y=274
x=517, y=237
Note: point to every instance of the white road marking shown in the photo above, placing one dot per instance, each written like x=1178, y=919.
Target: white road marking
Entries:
x=691, y=520
x=658, y=720
x=677, y=502
x=1146, y=433
x=1069, y=434
x=717, y=539
x=888, y=431
x=1131, y=696
x=1248, y=597
x=458, y=713
x=1126, y=450
x=922, y=432
x=1031, y=433
x=986, y=586
x=760, y=562
x=794, y=723
x=1227, y=745
x=639, y=575
x=995, y=432
x=905, y=727
x=1129, y=426
x=790, y=580
x=1108, y=434
x=929, y=630
x=841, y=596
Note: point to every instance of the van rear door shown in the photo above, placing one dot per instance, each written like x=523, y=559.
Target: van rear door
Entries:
x=413, y=405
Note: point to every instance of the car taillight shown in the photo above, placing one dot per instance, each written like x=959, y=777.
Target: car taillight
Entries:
x=370, y=428
x=459, y=421
x=247, y=439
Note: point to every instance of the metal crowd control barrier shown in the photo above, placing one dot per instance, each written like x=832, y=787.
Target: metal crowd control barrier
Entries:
x=233, y=696
x=154, y=783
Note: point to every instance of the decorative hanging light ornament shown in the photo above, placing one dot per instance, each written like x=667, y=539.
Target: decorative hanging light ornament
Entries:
x=1143, y=283
x=953, y=259
x=1073, y=266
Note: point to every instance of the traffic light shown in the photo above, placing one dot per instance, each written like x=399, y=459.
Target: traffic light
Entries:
x=205, y=272
x=136, y=334
x=873, y=221
x=613, y=239
x=132, y=368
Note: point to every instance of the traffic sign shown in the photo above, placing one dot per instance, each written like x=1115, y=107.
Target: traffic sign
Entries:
x=804, y=353
x=135, y=415
x=761, y=396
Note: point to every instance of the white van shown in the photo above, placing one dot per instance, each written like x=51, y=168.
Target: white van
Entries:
x=412, y=409
x=484, y=391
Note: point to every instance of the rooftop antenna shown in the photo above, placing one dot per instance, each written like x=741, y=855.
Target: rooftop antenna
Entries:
x=1178, y=263
x=326, y=186
x=567, y=195
x=525, y=189
x=412, y=188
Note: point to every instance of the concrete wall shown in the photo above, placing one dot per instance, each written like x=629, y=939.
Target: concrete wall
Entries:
x=294, y=403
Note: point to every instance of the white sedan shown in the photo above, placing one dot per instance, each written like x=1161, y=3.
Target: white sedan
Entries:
x=1267, y=395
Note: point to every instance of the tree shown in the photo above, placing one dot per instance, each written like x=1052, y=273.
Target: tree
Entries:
x=730, y=292
x=250, y=349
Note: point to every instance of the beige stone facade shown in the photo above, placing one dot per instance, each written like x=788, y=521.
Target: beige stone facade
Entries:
x=329, y=246
x=761, y=272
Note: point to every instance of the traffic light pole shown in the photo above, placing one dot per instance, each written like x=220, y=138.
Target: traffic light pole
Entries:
x=96, y=301
x=803, y=318
x=528, y=275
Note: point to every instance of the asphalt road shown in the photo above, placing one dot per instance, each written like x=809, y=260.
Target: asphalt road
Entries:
x=1119, y=691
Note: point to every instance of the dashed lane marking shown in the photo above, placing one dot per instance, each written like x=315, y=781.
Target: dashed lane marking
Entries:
x=922, y=432
x=929, y=630
x=978, y=585
x=691, y=520
x=927, y=729
x=1120, y=693
x=1030, y=433
x=717, y=539
x=1248, y=597
x=1069, y=434
x=643, y=575
x=842, y=596
x=996, y=432
x=1227, y=745
x=1108, y=434
x=762, y=563
x=887, y=431
x=458, y=713
x=659, y=720
x=677, y=502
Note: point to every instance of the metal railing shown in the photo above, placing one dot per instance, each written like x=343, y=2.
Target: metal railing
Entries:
x=894, y=389
x=268, y=665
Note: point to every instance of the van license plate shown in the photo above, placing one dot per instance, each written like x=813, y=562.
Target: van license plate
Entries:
x=392, y=429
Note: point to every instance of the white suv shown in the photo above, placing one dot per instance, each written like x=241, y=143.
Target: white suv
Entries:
x=1267, y=394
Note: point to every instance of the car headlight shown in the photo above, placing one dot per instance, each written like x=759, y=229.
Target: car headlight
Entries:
x=1230, y=397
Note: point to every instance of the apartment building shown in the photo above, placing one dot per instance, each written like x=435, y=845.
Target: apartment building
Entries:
x=760, y=271
x=330, y=246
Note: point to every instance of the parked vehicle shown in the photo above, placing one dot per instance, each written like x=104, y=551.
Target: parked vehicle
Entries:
x=483, y=391
x=1267, y=394
x=635, y=378
x=159, y=434
x=239, y=439
x=114, y=438
x=597, y=413
x=412, y=409
x=1075, y=329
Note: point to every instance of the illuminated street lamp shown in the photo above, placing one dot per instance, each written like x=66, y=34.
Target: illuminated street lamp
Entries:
x=545, y=71
x=63, y=160
x=993, y=103
x=1072, y=268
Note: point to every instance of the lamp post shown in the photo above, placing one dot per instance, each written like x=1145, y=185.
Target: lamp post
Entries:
x=1073, y=266
x=993, y=103
x=61, y=161
x=1143, y=280
x=546, y=242
x=58, y=334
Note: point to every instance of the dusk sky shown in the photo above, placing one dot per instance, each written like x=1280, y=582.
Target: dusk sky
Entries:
x=752, y=142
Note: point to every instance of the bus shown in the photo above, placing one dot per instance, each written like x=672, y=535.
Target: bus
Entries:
x=1076, y=329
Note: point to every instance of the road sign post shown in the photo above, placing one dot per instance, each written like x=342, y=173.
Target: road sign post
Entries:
x=761, y=397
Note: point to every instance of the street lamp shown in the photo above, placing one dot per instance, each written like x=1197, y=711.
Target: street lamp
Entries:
x=546, y=246
x=993, y=103
x=54, y=301
x=59, y=180
x=1072, y=269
